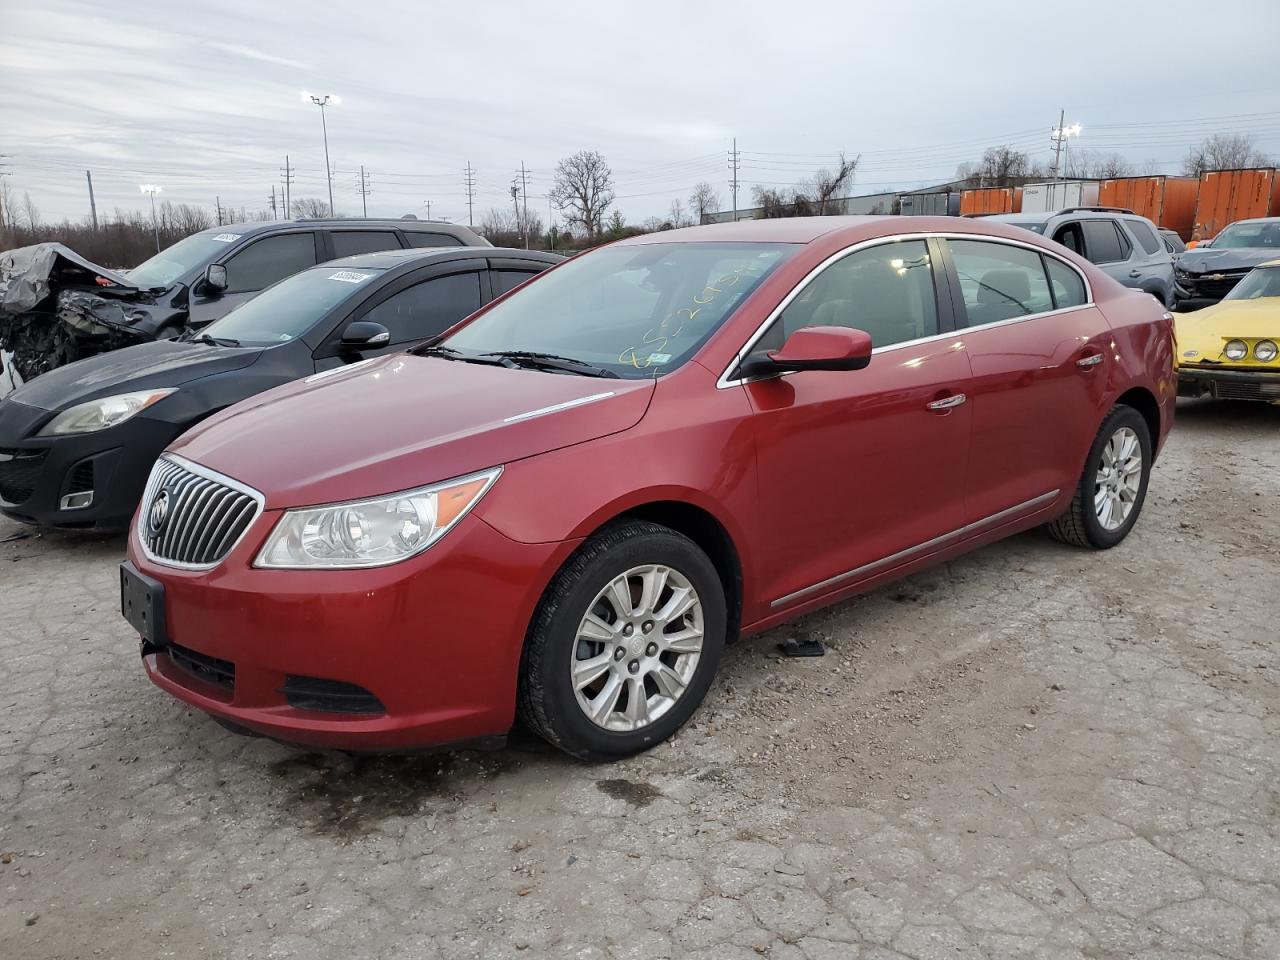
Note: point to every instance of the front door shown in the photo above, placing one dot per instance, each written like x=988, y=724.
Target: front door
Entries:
x=859, y=470
x=250, y=270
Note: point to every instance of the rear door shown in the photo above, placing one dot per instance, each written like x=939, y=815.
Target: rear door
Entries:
x=348, y=243
x=413, y=308
x=1102, y=243
x=251, y=269
x=1037, y=346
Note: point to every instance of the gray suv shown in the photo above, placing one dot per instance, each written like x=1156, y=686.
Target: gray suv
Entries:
x=1120, y=242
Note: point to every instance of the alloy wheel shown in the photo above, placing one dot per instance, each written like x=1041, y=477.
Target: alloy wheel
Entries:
x=637, y=647
x=1118, y=480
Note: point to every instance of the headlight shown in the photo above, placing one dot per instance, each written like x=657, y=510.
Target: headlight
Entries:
x=372, y=533
x=1236, y=350
x=1265, y=350
x=103, y=413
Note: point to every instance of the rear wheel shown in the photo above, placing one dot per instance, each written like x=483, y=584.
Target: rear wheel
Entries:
x=1113, y=486
x=625, y=643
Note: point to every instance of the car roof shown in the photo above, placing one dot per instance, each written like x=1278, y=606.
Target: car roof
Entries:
x=779, y=230
x=1254, y=220
x=416, y=256
x=1017, y=217
x=411, y=226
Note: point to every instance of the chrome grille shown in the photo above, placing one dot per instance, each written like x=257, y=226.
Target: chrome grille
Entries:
x=192, y=516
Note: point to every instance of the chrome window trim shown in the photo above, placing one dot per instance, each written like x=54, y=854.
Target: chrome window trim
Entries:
x=724, y=381
x=209, y=474
x=1027, y=506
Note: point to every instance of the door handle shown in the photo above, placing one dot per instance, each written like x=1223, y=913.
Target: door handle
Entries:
x=1135, y=274
x=1089, y=362
x=946, y=403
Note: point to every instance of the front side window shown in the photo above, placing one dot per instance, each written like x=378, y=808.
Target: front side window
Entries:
x=289, y=309
x=1146, y=236
x=886, y=291
x=1258, y=283
x=999, y=281
x=1102, y=242
x=265, y=261
x=348, y=243
x=635, y=310
x=428, y=308
x=417, y=239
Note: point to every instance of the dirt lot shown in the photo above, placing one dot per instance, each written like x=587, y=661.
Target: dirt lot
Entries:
x=1032, y=752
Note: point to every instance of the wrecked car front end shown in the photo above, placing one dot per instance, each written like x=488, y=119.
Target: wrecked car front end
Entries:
x=56, y=307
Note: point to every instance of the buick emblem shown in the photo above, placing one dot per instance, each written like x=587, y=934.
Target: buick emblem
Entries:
x=159, y=511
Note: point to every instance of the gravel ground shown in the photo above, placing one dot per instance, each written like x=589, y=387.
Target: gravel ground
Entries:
x=1031, y=752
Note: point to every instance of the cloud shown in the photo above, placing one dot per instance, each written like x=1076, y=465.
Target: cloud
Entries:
x=251, y=53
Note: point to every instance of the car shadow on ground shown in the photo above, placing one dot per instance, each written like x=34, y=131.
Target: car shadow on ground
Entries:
x=1225, y=413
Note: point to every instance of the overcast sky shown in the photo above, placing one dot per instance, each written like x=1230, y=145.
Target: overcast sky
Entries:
x=203, y=98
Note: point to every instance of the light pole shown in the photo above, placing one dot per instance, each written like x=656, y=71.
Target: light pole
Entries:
x=323, y=102
x=152, y=189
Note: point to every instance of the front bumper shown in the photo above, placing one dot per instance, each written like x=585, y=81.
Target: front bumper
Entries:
x=435, y=641
x=36, y=473
x=1233, y=384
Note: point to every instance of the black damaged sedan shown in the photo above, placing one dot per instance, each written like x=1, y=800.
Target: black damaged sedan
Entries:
x=78, y=442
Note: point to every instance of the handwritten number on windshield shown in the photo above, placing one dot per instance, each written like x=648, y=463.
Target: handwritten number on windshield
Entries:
x=658, y=338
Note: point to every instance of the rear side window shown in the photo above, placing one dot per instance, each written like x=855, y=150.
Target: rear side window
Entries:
x=1102, y=242
x=1147, y=238
x=999, y=281
x=885, y=290
x=1068, y=287
x=347, y=243
x=504, y=280
x=265, y=261
x=428, y=308
x=431, y=239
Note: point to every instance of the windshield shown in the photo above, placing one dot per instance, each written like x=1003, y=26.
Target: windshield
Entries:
x=1258, y=283
x=1265, y=234
x=185, y=255
x=635, y=311
x=288, y=309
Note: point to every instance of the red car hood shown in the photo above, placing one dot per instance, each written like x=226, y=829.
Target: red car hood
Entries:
x=404, y=421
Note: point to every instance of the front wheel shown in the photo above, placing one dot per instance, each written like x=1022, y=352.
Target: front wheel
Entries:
x=625, y=643
x=1112, y=487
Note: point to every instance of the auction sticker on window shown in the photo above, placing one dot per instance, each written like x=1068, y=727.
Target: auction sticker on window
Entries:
x=227, y=237
x=350, y=276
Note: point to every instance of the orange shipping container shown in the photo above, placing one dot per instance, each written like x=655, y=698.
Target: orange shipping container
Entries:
x=1230, y=195
x=990, y=200
x=1167, y=201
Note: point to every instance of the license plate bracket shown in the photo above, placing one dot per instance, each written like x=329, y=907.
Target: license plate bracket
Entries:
x=142, y=604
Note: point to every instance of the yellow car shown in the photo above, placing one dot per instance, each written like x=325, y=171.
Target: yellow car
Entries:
x=1230, y=350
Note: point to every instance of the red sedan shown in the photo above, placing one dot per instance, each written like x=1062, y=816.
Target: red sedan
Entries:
x=569, y=504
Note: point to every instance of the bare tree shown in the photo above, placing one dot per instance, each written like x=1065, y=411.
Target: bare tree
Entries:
x=28, y=212
x=500, y=227
x=677, y=217
x=703, y=201
x=1087, y=163
x=1000, y=166
x=1223, y=152
x=829, y=184
x=313, y=208
x=583, y=190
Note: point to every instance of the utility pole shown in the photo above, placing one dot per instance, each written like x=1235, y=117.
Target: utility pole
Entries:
x=288, y=184
x=272, y=200
x=93, y=207
x=152, y=189
x=364, y=192
x=551, y=224
x=734, y=159
x=428, y=203
x=470, y=181
x=524, y=193
x=1058, y=135
x=515, y=204
x=218, y=203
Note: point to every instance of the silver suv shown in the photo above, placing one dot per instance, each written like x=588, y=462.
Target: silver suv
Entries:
x=1120, y=242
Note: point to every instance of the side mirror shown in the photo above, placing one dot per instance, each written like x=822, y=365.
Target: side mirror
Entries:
x=365, y=333
x=215, y=279
x=814, y=348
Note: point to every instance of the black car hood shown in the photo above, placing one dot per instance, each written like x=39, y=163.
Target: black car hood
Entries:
x=1209, y=260
x=163, y=363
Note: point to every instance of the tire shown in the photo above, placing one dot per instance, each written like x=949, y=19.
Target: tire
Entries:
x=549, y=700
x=1082, y=524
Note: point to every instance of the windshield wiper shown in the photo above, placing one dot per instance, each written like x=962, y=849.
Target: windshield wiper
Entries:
x=552, y=361
x=215, y=341
x=448, y=353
